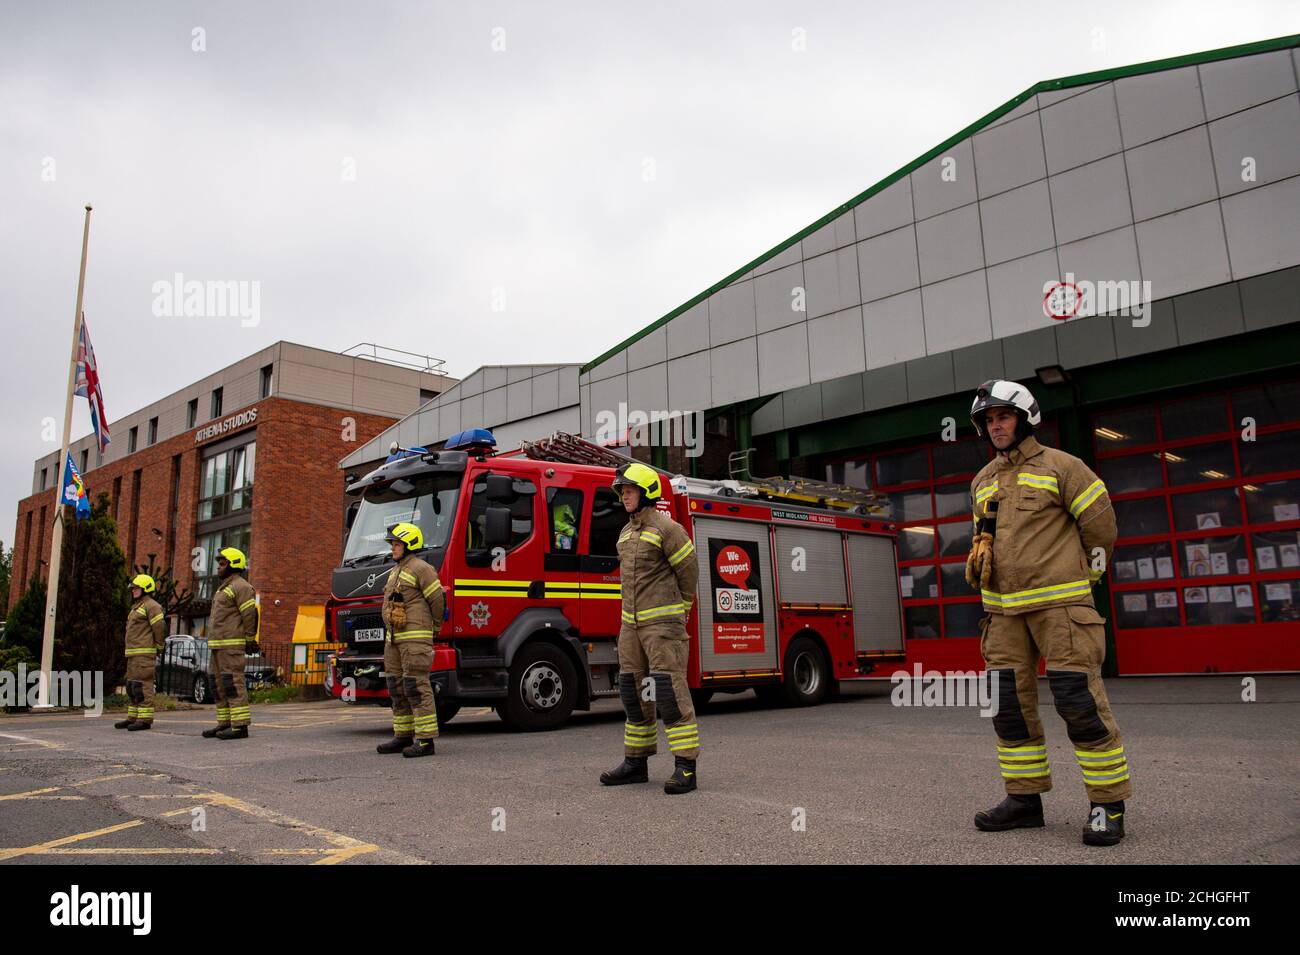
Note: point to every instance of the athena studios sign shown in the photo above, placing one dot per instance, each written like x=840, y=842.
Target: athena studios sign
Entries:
x=226, y=425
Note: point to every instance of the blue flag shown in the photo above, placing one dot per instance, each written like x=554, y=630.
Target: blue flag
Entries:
x=74, y=491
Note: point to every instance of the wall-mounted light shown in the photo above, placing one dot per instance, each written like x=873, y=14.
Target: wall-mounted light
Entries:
x=1052, y=375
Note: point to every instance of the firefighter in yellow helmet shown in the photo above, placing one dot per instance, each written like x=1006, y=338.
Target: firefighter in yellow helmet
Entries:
x=412, y=612
x=231, y=636
x=659, y=572
x=1044, y=534
x=146, y=629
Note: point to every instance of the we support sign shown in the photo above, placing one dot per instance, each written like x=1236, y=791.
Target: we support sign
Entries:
x=734, y=578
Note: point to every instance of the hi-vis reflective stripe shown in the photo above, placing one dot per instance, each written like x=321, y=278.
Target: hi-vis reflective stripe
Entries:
x=982, y=494
x=141, y=651
x=1093, y=491
x=1023, y=762
x=492, y=588
x=231, y=642
x=1044, y=481
x=142, y=611
x=228, y=592
x=554, y=588
x=403, y=575
x=681, y=554
x=654, y=613
x=432, y=588
x=1022, y=598
x=652, y=537
x=155, y=619
x=413, y=635
x=247, y=603
x=682, y=737
x=1103, y=768
x=639, y=735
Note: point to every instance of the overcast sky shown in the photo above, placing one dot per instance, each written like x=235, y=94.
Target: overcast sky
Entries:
x=496, y=146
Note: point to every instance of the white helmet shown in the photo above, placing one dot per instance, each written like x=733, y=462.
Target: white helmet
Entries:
x=1003, y=394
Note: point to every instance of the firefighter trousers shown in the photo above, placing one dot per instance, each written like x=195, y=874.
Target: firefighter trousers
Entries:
x=406, y=671
x=652, y=683
x=139, y=687
x=1072, y=640
x=232, y=691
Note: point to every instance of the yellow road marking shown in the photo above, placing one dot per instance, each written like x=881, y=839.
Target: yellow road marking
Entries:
x=131, y=851
x=345, y=846
x=104, y=779
x=55, y=843
x=34, y=793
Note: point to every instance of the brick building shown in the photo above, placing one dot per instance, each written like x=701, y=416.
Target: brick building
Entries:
x=246, y=457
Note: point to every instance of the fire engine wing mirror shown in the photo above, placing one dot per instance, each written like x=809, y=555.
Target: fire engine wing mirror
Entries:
x=500, y=488
x=496, y=530
x=351, y=516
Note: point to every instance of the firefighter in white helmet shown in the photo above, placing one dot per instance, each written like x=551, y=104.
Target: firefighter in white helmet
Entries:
x=659, y=571
x=1044, y=531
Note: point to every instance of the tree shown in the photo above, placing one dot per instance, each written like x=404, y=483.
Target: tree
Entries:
x=171, y=596
x=26, y=623
x=94, y=595
x=6, y=574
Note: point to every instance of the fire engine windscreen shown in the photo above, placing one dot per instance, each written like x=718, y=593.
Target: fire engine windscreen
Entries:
x=427, y=502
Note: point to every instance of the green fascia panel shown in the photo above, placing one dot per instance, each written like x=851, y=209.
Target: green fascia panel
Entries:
x=1065, y=82
x=1217, y=360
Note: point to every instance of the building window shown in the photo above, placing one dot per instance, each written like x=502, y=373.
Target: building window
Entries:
x=212, y=544
x=1208, y=519
x=426, y=396
x=928, y=492
x=131, y=437
x=153, y=430
x=85, y=459
x=216, y=403
x=117, y=494
x=45, y=477
x=266, y=381
x=227, y=482
x=192, y=413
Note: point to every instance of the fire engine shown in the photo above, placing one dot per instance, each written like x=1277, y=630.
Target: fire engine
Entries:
x=798, y=585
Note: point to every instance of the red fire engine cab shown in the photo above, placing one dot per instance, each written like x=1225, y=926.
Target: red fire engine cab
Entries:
x=798, y=583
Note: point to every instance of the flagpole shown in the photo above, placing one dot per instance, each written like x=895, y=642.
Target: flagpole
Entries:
x=56, y=538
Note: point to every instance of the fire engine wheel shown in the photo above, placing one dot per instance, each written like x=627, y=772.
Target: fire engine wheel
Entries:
x=807, y=675
x=447, y=711
x=543, y=689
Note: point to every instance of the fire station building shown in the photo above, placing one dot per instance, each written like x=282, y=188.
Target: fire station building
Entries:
x=1127, y=244
x=246, y=457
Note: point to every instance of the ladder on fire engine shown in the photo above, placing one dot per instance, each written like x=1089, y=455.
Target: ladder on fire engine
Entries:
x=565, y=448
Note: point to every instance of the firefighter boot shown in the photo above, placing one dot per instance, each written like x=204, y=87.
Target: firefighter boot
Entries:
x=633, y=769
x=1014, y=812
x=683, y=778
x=219, y=728
x=421, y=747
x=1105, y=824
x=395, y=745
x=139, y=725
x=123, y=724
x=233, y=732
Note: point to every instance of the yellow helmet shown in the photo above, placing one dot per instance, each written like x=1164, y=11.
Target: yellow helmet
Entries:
x=144, y=582
x=642, y=476
x=407, y=534
x=234, y=556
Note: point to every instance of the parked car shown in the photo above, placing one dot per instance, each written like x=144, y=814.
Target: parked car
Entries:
x=184, y=669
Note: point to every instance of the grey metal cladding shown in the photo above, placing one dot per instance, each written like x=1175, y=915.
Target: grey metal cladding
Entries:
x=821, y=579
x=873, y=570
